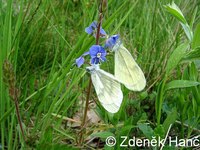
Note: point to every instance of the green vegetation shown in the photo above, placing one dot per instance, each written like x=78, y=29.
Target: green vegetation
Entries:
x=39, y=42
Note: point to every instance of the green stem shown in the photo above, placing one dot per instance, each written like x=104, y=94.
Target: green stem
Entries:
x=159, y=100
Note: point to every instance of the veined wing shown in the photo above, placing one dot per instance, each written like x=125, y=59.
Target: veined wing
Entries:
x=127, y=70
x=108, y=90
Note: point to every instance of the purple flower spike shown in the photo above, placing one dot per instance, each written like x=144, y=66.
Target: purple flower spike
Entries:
x=98, y=54
x=111, y=41
x=80, y=61
x=92, y=29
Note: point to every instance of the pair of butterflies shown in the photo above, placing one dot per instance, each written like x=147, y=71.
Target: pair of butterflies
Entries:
x=107, y=86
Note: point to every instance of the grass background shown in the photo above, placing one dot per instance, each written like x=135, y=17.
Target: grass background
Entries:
x=42, y=39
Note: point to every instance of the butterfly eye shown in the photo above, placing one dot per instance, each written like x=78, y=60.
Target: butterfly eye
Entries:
x=91, y=69
x=88, y=69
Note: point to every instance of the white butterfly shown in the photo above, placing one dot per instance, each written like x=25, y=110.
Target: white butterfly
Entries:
x=127, y=70
x=107, y=88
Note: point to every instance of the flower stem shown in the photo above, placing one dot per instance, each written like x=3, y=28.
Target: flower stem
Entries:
x=98, y=28
x=85, y=111
x=90, y=80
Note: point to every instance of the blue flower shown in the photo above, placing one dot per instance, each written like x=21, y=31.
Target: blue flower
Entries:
x=92, y=29
x=81, y=60
x=111, y=41
x=98, y=54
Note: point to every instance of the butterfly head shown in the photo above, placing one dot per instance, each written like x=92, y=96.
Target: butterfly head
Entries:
x=117, y=45
x=91, y=69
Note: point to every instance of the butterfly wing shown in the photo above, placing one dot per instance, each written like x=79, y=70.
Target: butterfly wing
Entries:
x=127, y=70
x=108, y=90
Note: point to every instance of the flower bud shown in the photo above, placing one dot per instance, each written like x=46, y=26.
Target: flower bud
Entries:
x=104, y=5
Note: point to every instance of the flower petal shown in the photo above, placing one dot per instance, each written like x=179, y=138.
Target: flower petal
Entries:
x=103, y=54
x=86, y=53
x=101, y=49
x=91, y=27
x=97, y=60
x=80, y=61
x=89, y=30
x=103, y=58
x=92, y=30
x=93, y=60
x=102, y=32
x=93, y=24
x=111, y=41
x=94, y=49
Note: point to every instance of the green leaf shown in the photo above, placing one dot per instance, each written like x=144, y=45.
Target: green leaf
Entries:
x=103, y=134
x=125, y=16
x=180, y=84
x=48, y=135
x=126, y=129
x=196, y=39
x=193, y=72
x=192, y=55
x=176, y=12
x=106, y=147
x=55, y=146
x=171, y=147
x=159, y=99
x=67, y=135
x=194, y=76
x=176, y=56
x=193, y=17
x=171, y=118
x=159, y=131
x=188, y=31
x=147, y=130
